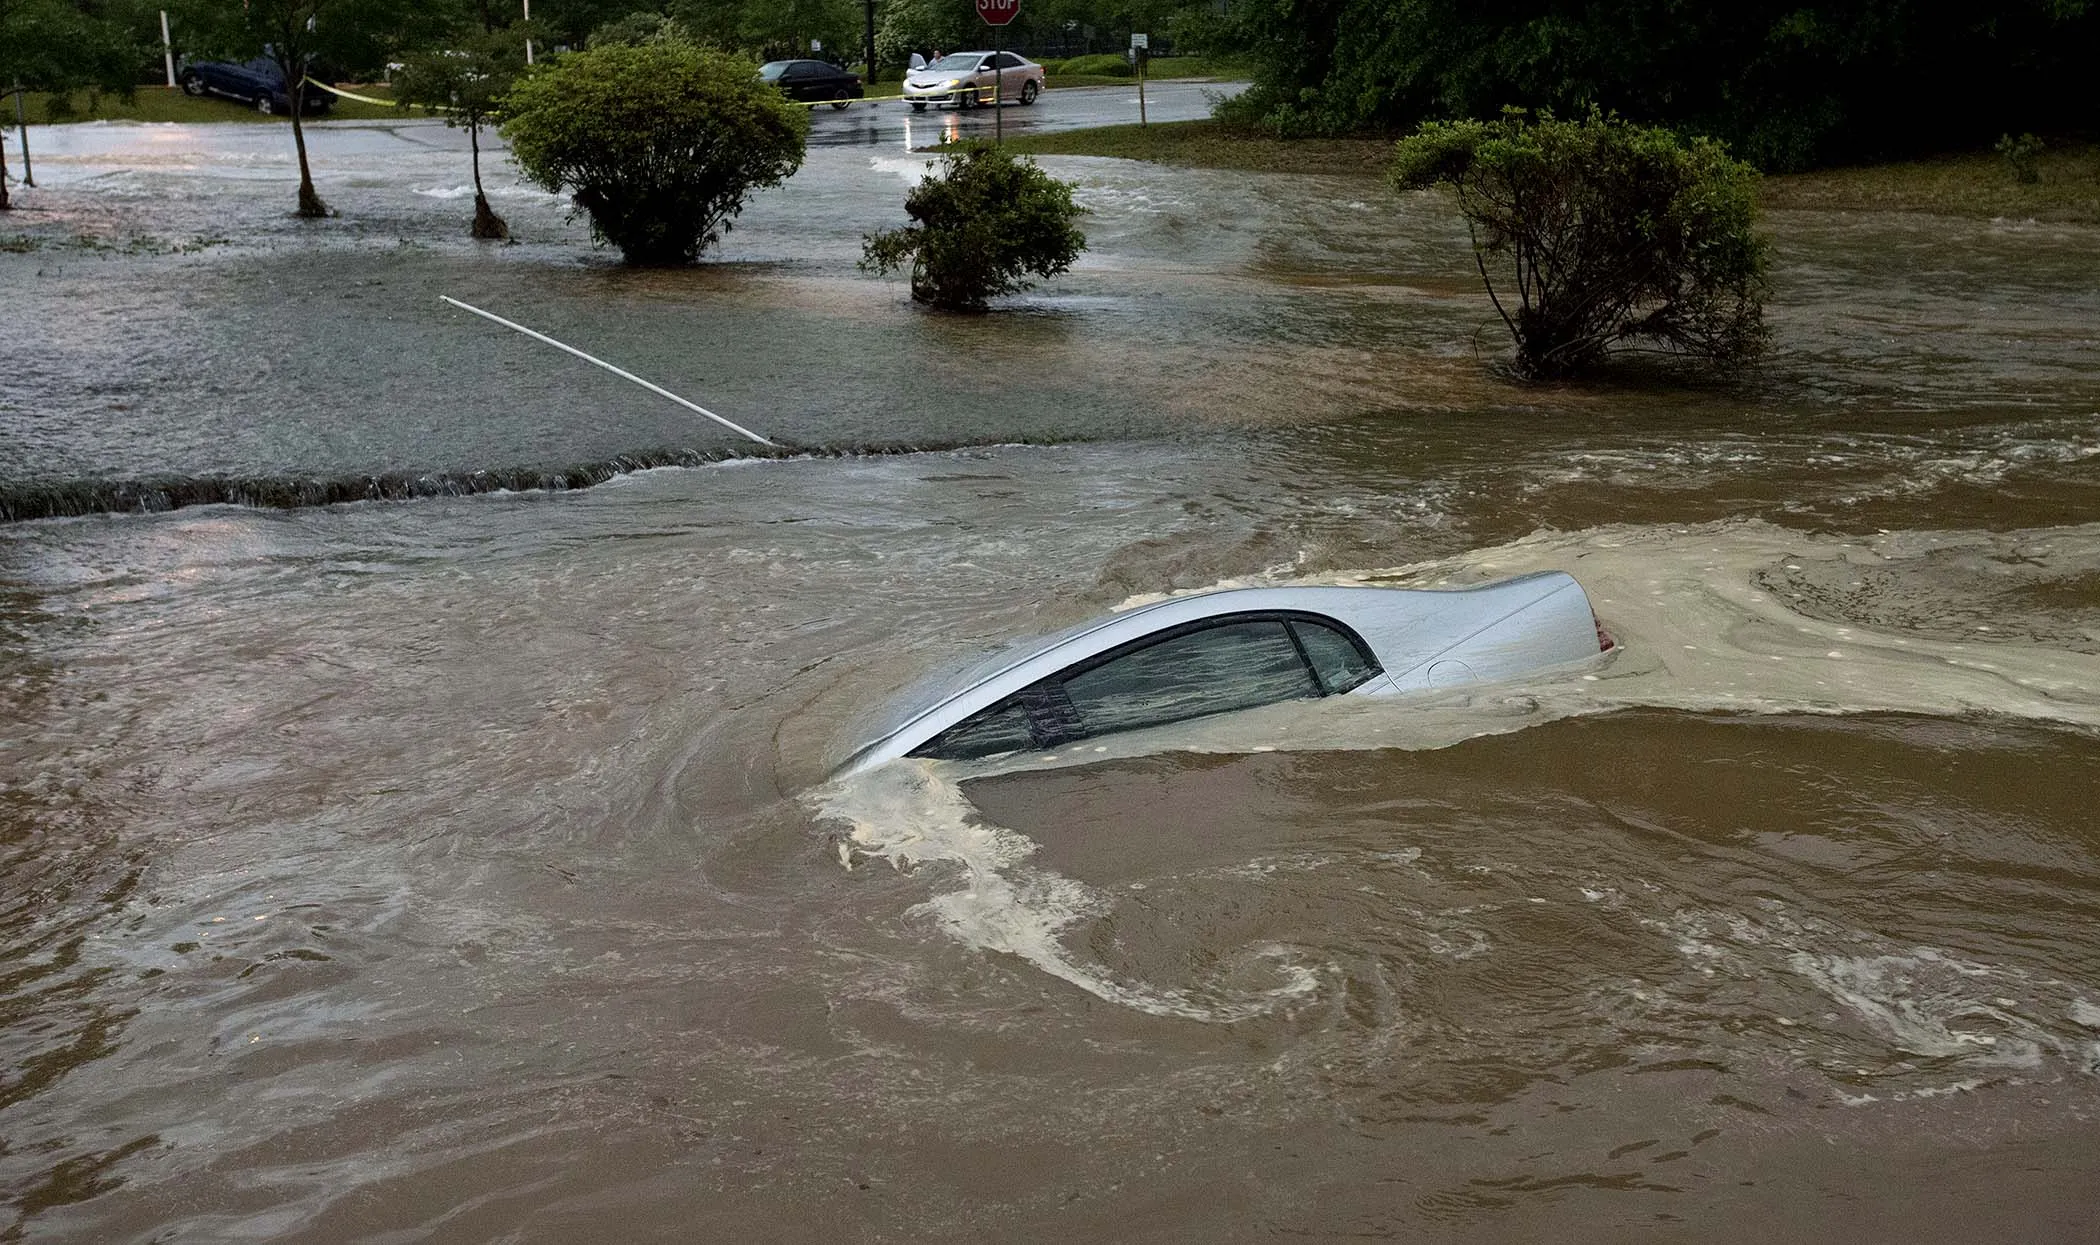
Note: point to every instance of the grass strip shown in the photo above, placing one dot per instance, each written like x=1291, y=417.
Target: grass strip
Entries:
x=165, y=103
x=1210, y=145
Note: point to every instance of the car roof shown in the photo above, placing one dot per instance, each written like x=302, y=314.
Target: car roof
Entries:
x=1405, y=628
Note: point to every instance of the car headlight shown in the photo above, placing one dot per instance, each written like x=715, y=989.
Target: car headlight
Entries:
x=952, y=82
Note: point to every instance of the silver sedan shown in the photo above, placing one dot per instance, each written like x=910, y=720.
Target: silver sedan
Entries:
x=1189, y=657
x=968, y=79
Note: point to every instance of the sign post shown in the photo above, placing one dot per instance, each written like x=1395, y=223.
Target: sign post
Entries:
x=996, y=14
x=1140, y=51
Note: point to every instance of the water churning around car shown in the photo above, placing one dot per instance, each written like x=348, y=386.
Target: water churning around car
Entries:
x=463, y=862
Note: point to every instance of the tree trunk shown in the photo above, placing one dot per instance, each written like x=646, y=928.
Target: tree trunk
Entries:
x=294, y=70
x=487, y=224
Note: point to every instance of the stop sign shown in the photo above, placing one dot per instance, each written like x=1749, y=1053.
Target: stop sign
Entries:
x=998, y=12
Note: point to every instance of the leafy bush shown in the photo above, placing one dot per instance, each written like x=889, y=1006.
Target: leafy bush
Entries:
x=637, y=29
x=907, y=26
x=982, y=221
x=1605, y=234
x=2023, y=155
x=658, y=143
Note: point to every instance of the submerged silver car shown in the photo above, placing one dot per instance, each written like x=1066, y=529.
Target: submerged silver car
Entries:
x=966, y=79
x=1189, y=657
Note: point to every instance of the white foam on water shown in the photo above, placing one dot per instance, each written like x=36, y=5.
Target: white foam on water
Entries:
x=1926, y=1002
x=1697, y=632
x=910, y=814
x=910, y=169
x=1965, y=1016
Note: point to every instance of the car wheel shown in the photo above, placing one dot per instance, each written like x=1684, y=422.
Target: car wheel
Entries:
x=264, y=106
x=192, y=84
x=840, y=98
x=918, y=105
x=1028, y=92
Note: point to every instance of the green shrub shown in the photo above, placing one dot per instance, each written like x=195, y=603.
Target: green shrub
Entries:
x=981, y=222
x=2023, y=156
x=1603, y=236
x=1104, y=65
x=658, y=143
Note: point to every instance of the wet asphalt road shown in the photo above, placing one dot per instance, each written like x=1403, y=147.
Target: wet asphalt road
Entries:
x=881, y=122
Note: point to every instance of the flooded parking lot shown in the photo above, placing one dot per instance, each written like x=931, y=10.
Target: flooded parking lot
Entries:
x=459, y=861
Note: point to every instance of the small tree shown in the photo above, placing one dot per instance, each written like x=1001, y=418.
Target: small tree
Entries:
x=294, y=34
x=982, y=221
x=658, y=143
x=466, y=81
x=61, y=47
x=1605, y=233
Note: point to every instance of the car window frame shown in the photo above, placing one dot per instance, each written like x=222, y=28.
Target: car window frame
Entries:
x=1053, y=721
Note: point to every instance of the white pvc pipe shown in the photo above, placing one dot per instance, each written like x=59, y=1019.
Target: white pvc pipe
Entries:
x=167, y=48
x=587, y=358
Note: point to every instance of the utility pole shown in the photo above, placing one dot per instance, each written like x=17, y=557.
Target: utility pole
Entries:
x=870, y=42
x=167, y=48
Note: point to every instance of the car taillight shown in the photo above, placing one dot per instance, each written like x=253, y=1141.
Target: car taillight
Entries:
x=1605, y=643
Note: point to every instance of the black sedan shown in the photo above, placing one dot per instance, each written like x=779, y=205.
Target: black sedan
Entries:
x=813, y=81
x=258, y=82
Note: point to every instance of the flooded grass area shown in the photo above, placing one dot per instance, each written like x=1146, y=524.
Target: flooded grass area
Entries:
x=400, y=839
x=1974, y=184
x=1971, y=184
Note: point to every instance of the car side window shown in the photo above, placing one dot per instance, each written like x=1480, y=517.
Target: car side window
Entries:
x=1007, y=60
x=1335, y=658
x=1218, y=667
x=1235, y=665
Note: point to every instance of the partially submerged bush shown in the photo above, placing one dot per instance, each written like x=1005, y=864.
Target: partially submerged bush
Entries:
x=658, y=143
x=1605, y=236
x=981, y=222
x=2022, y=155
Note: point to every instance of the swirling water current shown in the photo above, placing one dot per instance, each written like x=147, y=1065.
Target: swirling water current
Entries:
x=401, y=841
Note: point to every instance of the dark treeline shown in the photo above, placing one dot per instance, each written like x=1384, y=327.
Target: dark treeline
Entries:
x=1786, y=83
x=70, y=45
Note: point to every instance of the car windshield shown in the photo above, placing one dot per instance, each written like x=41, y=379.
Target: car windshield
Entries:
x=960, y=62
x=771, y=70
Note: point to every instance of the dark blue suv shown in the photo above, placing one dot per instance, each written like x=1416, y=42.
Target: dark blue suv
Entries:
x=259, y=82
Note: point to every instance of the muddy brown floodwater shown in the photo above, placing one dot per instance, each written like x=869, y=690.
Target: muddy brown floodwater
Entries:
x=458, y=863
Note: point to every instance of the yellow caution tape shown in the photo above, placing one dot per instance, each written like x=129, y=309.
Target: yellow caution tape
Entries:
x=367, y=99
x=806, y=103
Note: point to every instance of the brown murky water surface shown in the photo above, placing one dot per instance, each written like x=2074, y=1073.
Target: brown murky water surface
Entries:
x=460, y=864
